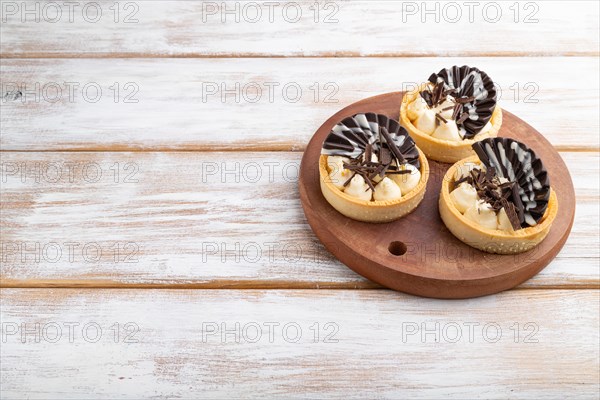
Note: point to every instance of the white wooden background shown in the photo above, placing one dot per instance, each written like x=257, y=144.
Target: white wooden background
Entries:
x=187, y=207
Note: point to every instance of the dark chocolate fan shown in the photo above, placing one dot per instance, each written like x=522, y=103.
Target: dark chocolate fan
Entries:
x=516, y=162
x=349, y=138
x=467, y=82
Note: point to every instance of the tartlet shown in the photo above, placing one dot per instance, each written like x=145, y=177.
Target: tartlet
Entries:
x=499, y=200
x=371, y=170
x=454, y=109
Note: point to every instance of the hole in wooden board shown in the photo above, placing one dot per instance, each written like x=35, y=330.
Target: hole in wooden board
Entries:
x=397, y=248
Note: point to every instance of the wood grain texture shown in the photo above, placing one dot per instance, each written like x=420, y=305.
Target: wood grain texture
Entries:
x=175, y=109
x=212, y=220
x=458, y=270
x=351, y=28
x=375, y=345
x=168, y=204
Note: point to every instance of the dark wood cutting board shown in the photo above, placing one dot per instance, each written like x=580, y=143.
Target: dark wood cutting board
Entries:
x=434, y=263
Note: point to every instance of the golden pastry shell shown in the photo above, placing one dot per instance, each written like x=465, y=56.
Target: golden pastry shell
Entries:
x=490, y=240
x=373, y=211
x=448, y=151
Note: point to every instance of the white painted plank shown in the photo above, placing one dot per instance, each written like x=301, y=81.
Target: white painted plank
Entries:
x=201, y=219
x=294, y=28
x=377, y=344
x=184, y=103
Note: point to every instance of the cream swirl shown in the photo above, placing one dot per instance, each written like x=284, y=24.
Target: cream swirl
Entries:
x=386, y=190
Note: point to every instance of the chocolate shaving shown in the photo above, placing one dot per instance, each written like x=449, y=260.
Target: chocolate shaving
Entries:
x=363, y=136
x=461, y=180
x=457, y=110
x=379, y=172
x=497, y=195
x=392, y=146
x=368, y=169
x=436, y=95
x=472, y=90
x=437, y=92
x=349, y=179
x=511, y=213
x=361, y=167
x=366, y=178
x=464, y=100
x=450, y=92
x=385, y=157
x=368, y=152
x=530, y=201
x=516, y=200
x=384, y=170
x=426, y=95
x=463, y=117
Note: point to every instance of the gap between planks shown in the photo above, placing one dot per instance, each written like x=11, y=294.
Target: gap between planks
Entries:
x=341, y=54
x=228, y=148
x=241, y=285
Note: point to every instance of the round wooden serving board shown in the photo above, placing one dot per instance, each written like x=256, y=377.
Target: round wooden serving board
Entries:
x=435, y=263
